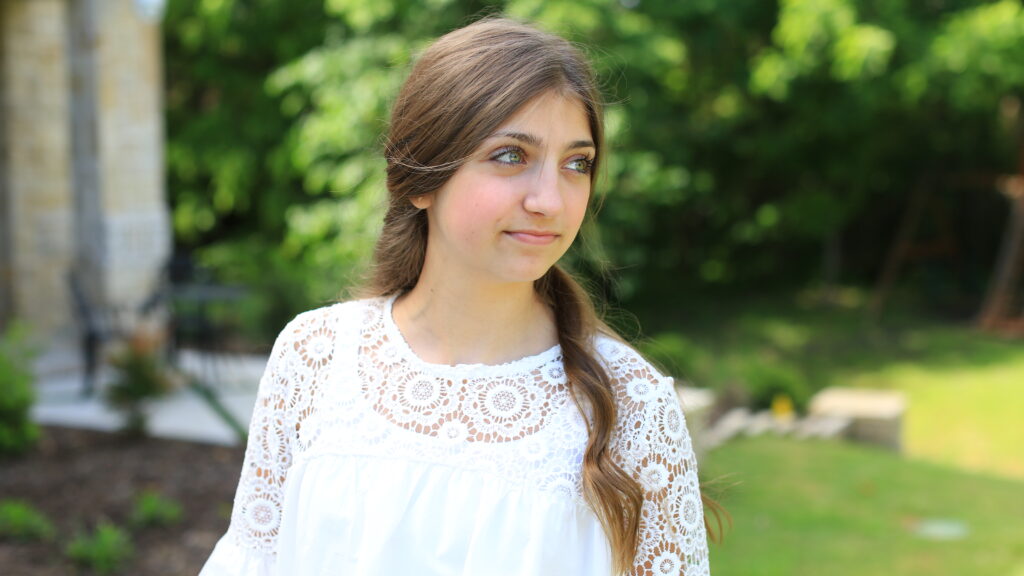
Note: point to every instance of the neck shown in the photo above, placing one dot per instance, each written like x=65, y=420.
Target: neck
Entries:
x=453, y=324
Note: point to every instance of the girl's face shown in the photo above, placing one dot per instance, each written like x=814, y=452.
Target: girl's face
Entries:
x=512, y=210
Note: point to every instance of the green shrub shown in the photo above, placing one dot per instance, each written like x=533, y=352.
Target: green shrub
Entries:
x=154, y=509
x=20, y=521
x=766, y=379
x=17, y=431
x=103, y=551
x=279, y=285
x=677, y=356
x=140, y=377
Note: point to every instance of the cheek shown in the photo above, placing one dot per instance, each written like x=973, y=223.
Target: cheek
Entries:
x=576, y=208
x=477, y=217
x=467, y=224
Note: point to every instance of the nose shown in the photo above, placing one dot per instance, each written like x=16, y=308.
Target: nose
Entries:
x=543, y=195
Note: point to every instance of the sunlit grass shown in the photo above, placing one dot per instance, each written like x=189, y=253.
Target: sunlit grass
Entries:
x=812, y=507
x=965, y=389
x=972, y=417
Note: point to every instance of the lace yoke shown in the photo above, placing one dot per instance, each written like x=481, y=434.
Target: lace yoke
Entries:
x=341, y=381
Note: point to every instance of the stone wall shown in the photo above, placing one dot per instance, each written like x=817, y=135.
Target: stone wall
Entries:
x=37, y=180
x=82, y=173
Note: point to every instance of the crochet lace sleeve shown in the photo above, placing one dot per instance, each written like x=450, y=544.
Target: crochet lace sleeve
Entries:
x=281, y=404
x=653, y=444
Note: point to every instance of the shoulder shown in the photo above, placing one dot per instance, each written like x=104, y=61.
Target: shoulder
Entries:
x=650, y=417
x=646, y=398
x=634, y=378
x=312, y=340
x=322, y=329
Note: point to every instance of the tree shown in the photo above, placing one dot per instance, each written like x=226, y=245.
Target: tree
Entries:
x=750, y=141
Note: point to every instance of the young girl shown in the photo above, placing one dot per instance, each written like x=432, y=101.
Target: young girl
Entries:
x=471, y=417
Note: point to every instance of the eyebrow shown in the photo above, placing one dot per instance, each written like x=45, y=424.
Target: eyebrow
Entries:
x=534, y=141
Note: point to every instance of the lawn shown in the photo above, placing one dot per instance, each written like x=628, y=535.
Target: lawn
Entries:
x=965, y=389
x=815, y=507
x=969, y=416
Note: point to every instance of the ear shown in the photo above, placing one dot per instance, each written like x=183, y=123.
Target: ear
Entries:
x=423, y=201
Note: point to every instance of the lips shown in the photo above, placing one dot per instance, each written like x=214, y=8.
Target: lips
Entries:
x=534, y=237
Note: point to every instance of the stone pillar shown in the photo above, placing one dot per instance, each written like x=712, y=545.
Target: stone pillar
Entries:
x=6, y=265
x=89, y=225
x=36, y=246
x=136, y=235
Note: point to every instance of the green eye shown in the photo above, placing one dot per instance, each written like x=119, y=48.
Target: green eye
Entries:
x=509, y=156
x=581, y=165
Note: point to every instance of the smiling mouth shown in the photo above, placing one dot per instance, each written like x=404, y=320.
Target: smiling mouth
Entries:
x=533, y=237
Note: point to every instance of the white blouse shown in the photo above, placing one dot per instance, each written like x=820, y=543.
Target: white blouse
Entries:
x=364, y=460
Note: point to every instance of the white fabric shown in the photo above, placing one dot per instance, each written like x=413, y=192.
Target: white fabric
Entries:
x=364, y=460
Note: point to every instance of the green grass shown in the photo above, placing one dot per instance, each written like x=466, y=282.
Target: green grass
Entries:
x=965, y=389
x=813, y=507
x=968, y=416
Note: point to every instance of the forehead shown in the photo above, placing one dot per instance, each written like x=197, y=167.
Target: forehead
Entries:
x=551, y=112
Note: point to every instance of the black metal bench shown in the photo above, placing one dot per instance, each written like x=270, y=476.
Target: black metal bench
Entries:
x=184, y=290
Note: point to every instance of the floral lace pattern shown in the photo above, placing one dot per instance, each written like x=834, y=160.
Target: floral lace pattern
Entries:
x=652, y=442
x=342, y=381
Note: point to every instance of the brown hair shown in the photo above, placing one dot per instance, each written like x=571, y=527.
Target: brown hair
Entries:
x=459, y=91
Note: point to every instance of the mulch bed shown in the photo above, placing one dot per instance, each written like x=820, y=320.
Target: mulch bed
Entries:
x=79, y=477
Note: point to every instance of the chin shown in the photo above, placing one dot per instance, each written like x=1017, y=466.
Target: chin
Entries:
x=525, y=275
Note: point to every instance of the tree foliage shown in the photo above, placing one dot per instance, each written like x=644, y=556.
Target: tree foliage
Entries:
x=747, y=137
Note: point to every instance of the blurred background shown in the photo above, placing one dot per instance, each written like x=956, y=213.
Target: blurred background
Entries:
x=812, y=215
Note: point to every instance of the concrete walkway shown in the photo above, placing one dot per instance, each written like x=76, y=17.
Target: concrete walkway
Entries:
x=182, y=415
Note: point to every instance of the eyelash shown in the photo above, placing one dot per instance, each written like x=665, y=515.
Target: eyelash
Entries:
x=588, y=162
x=502, y=152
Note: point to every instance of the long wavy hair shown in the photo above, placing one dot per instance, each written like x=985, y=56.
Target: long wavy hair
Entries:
x=461, y=89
